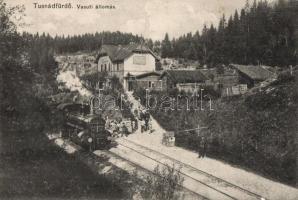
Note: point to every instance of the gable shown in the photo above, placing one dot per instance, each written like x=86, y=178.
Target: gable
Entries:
x=139, y=63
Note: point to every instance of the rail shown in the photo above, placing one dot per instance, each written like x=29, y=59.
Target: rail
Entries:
x=197, y=170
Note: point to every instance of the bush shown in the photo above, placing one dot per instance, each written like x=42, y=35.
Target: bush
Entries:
x=165, y=184
x=284, y=77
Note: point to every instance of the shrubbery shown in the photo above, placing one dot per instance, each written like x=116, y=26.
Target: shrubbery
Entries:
x=164, y=184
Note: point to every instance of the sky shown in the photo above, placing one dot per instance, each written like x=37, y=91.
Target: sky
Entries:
x=149, y=18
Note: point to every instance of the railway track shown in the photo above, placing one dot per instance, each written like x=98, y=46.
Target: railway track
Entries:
x=134, y=165
x=195, y=179
x=121, y=163
x=143, y=164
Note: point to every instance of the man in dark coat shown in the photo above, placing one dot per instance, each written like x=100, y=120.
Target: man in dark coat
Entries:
x=202, y=147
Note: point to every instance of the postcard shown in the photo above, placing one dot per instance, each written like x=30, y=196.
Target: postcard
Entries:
x=149, y=99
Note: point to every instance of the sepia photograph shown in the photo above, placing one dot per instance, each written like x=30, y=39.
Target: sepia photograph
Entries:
x=149, y=99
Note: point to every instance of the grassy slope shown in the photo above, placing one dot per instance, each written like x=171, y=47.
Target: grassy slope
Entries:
x=265, y=122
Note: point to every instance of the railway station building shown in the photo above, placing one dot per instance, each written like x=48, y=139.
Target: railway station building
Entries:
x=127, y=62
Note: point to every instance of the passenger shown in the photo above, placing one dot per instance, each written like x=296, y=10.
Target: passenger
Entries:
x=114, y=128
x=141, y=117
x=132, y=123
x=136, y=125
x=205, y=147
x=150, y=126
x=142, y=123
x=119, y=129
x=136, y=112
x=146, y=119
x=202, y=147
x=108, y=123
x=124, y=130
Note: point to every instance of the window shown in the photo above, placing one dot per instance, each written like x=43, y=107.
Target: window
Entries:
x=110, y=67
x=117, y=66
x=105, y=67
x=149, y=84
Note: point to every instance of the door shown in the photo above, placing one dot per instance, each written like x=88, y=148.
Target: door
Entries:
x=130, y=87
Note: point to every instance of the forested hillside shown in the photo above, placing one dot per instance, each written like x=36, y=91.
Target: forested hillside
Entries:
x=87, y=42
x=260, y=33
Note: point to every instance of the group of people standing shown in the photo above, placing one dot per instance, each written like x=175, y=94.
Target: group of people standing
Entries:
x=121, y=128
x=144, y=117
x=118, y=128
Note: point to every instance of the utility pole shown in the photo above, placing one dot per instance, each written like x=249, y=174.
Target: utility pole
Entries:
x=199, y=129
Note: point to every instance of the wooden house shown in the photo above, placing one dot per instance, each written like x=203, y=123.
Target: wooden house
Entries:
x=183, y=80
x=150, y=80
x=252, y=75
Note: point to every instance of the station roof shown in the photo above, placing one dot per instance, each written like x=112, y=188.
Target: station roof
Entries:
x=120, y=52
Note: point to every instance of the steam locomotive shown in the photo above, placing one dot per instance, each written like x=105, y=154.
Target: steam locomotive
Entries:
x=85, y=129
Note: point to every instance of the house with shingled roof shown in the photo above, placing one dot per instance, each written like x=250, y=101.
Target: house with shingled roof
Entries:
x=126, y=61
x=251, y=75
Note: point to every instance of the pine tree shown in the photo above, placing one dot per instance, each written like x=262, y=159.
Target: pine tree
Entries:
x=166, y=47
